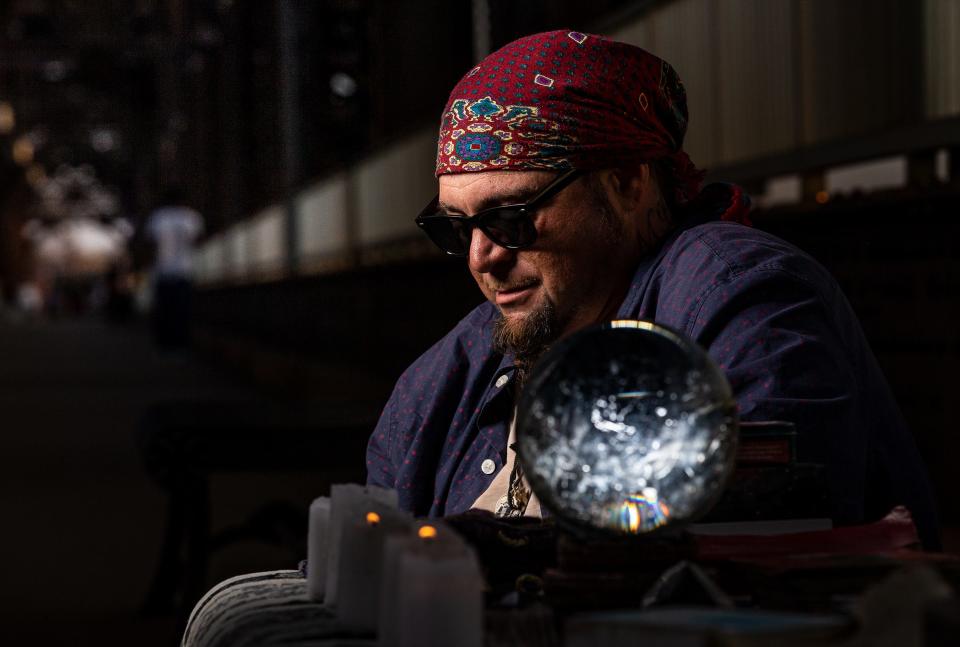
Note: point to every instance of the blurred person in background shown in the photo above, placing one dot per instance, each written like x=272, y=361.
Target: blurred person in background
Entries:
x=174, y=229
x=118, y=287
x=73, y=258
x=564, y=184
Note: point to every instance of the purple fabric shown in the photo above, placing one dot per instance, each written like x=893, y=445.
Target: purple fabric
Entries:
x=773, y=319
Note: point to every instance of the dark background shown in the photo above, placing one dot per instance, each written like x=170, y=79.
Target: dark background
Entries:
x=134, y=480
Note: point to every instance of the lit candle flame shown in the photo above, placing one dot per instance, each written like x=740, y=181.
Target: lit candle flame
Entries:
x=373, y=518
x=427, y=532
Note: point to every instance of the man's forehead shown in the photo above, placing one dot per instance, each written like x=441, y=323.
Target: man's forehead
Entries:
x=456, y=188
x=479, y=190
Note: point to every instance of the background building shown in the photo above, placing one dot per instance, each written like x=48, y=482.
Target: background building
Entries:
x=303, y=131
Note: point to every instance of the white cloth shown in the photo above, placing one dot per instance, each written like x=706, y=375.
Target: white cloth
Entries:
x=496, y=493
x=174, y=230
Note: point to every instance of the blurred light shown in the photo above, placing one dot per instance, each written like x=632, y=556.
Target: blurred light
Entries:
x=373, y=518
x=641, y=512
x=75, y=192
x=36, y=175
x=867, y=176
x=103, y=140
x=343, y=85
x=941, y=165
x=55, y=71
x=8, y=118
x=822, y=197
x=427, y=532
x=780, y=190
x=39, y=136
x=23, y=151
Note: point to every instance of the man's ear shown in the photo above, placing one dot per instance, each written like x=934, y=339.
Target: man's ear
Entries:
x=629, y=187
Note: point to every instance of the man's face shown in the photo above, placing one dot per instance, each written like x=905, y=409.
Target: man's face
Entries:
x=574, y=274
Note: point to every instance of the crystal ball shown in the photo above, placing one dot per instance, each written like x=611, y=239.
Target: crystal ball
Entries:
x=627, y=428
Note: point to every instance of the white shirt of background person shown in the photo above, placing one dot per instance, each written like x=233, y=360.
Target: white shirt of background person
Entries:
x=174, y=229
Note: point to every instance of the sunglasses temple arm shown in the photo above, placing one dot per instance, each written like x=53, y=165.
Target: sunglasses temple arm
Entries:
x=555, y=187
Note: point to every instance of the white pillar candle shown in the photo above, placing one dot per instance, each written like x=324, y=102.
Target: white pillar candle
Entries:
x=432, y=591
x=360, y=566
x=348, y=501
x=318, y=544
x=387, y=624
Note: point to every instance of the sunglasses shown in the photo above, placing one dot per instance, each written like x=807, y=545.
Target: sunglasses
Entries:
x=509, y=226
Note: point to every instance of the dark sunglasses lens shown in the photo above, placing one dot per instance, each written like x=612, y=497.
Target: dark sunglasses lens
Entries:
x=452, y=236
x=510, y=227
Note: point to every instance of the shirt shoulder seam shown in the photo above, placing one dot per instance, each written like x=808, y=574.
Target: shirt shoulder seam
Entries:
x=769, y=267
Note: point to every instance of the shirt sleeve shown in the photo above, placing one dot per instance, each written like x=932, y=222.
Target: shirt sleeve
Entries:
x=380, y=469
x=776, y=338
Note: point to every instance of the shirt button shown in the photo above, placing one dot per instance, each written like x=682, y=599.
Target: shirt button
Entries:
x=488, y=466
x=503, y=379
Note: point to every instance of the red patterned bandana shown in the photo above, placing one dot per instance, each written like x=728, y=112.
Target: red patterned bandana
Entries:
x=566, y=99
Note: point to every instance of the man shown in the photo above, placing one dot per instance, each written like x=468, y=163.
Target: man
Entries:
x=564, y=183
x=174, y=228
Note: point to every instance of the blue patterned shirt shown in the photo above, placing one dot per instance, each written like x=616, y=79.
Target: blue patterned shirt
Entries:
x=768, y=314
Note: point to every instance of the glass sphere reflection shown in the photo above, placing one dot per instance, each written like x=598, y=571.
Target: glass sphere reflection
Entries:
x=628, y=428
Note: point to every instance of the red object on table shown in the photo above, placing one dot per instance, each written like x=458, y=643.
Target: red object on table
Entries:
x=892, y=534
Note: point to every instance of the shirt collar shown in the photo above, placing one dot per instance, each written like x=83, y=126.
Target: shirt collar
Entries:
x=506, y=369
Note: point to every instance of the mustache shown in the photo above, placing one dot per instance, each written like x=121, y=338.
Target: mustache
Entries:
x=515, y=285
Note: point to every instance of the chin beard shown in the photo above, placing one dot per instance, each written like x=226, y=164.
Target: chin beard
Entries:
x=527, y=338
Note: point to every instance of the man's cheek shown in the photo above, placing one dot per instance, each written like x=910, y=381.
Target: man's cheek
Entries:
x=483, y=288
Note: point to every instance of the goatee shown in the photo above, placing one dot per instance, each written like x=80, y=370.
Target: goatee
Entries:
x=526, y=338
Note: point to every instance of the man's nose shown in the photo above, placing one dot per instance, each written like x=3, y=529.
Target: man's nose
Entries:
x=485, y=255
